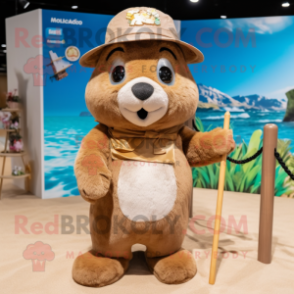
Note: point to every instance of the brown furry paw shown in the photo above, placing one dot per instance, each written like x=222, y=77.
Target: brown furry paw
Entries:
x=96, y=271
x=93, y=187
x=177, y=268
x=223, y=142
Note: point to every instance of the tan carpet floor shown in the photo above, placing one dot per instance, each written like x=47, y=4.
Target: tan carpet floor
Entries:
x=238, y=269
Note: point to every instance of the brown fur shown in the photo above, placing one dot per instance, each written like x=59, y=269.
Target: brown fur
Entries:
x=141, y=59
x=88, y=269
x=112, y=233
x=176, y=268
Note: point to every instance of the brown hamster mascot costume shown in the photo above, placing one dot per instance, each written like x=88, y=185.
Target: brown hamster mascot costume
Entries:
x=134, y=167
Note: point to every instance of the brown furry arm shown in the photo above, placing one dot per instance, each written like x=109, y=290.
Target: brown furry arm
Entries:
x=92, y=173
x=206, y=148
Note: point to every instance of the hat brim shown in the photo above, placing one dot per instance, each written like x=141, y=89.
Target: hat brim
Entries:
x=191, y=53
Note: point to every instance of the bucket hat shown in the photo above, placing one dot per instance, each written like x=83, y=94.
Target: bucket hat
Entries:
x=138, y=24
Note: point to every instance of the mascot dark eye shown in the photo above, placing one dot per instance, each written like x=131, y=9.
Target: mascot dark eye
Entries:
x=165, y=74
x=118, y=74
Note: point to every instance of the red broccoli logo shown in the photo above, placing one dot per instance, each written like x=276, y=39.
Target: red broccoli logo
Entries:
x=38, y=253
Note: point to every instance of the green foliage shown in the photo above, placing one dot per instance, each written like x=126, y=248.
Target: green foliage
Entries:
x=247, y=177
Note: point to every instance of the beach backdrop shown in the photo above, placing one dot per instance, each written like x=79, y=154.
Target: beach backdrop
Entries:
x=248, y=68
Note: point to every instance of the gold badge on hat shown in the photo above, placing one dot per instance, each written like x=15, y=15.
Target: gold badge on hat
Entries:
x=139, y=17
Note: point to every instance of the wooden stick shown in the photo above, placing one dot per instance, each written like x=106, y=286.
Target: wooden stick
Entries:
x=270, y=139
x=221, y=185
x=189, y=124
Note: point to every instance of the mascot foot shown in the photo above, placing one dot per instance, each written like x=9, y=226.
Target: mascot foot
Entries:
x=177, y=268
x=98, y=271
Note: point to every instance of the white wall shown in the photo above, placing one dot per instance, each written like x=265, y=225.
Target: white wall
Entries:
x=18, y=54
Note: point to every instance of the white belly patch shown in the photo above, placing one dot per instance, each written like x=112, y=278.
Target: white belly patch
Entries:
x=146, y=190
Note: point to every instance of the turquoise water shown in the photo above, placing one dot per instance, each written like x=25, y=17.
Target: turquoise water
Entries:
x=63, y=135
x=245, y=123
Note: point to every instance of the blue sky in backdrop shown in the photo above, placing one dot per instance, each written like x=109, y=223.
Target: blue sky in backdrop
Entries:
x=268, y=55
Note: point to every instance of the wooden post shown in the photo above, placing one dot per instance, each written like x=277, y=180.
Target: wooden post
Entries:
x=218, y=214
x=270, y=138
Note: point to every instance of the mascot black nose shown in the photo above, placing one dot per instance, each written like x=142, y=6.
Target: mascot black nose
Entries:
x=142, y=90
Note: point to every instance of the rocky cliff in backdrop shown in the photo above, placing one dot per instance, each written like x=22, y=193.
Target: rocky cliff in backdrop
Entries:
x=85, y=113
x=289, y=116
x=212, y=96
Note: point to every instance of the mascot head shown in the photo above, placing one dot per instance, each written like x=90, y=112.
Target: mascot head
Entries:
x=141, y=80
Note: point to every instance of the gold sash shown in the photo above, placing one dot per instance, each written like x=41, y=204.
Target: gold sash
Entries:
x=148, y=146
